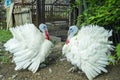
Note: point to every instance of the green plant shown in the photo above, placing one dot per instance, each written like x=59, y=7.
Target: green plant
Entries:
x=5, y=35
x=118, y=51
x=115, y=58
x=4, y=57
x=103, y=13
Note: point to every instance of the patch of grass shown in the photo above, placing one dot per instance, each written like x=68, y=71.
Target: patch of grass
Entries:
x=4, y=57
x=5, y=35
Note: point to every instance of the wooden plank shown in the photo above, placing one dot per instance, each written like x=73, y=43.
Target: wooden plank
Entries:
x=9, y=15
x=26, y=18
x=22, y=16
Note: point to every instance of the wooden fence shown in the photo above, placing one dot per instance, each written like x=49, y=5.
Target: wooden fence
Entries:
x=22, y=16
x=56, y=12
x=53, y=12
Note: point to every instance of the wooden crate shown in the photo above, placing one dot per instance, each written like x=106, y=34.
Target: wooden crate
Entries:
x=22, y=16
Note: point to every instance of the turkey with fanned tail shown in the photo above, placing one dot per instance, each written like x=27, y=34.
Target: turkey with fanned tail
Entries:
x=89, y=49
x=29, y=46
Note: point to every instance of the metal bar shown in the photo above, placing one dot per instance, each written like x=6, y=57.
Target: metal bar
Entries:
x=40, y=12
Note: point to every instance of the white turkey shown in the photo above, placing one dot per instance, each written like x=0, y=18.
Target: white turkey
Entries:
x=89, y=49
x=29, y=46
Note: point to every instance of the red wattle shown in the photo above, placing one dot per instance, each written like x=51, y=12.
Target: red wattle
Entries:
x=47, y=35
x=67, y=41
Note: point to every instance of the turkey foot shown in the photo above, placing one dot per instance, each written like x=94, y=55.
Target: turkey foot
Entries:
x=73, y=69
x=43, y=65
x=63, y=59
x=80, y=71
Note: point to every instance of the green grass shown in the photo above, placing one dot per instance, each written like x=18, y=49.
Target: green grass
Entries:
x=5, y=57
x=5, y=35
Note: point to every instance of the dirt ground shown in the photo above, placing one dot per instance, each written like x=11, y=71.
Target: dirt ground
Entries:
x=55, y=70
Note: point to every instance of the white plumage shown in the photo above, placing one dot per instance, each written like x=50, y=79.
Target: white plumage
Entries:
x=89, y=50
x=29, y=46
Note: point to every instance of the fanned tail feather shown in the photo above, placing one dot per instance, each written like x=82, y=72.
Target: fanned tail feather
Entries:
x=26, y=47
x=93, y=50
x=36, y=62
x=23, y=57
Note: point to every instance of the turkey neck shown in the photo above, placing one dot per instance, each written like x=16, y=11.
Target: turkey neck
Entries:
x=47, y=35
x=67, y=41
x=70, y=35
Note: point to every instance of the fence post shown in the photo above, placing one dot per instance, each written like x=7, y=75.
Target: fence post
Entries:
x=40, y=12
